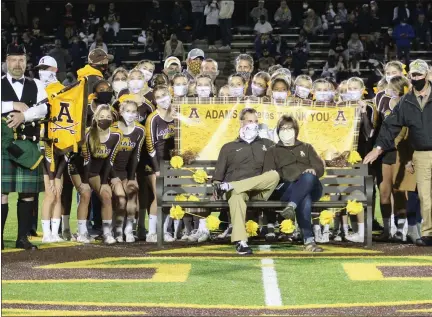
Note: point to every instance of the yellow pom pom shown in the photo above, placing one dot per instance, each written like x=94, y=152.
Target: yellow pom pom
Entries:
x=287, y=226
x=251, y=228
x=193, y=198
x=200, y=176
x=326, y=217
x=212, y=223
x=176, y=212
x=180, y=197
x=353, y=207
x=375, y=89
x=325, y=198
x=176, y=162
x=354, y=157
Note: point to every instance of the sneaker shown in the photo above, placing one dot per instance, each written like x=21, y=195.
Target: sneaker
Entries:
x=226, y=234
x=242, y=248
x=376, y=226
x=47, y=239
x=151, y=238
x=318, y=235
x=168, y=237
x=56, y=238
x=355, y=237
x=288, y=212
x=383, y=237
x=66, y=235
x=84, y=238
x=119, y=239
x=130, y=238
x=185, y=236
x=313, y=247
x=325, y=237
x=199, y=236
x=109, y=239
x=270, y=237
x=337, y=236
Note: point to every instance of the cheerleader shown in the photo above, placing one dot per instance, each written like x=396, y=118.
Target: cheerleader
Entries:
x=236, y=83
x=280, y=88
x=323, y=90
x=204, y=86
x=260, y=84
x=119, y=80
x=180, y=85
x=303, y=87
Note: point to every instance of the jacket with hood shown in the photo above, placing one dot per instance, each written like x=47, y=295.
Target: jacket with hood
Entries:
x=291, y=161
x=93, y=75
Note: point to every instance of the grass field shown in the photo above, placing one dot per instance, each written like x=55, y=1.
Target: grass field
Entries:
x=210, y=279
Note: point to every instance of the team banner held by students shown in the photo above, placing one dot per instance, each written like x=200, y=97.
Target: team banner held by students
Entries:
x=203, y=128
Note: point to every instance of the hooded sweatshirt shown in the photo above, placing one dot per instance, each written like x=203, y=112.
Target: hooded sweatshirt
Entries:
x=93, y=75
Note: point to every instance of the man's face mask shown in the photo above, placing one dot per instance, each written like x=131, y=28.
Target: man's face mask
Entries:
x=245, y=75
x=418, y=84
x=249, y=132
x=195, y=66
x=47, y=77
x=203, y=91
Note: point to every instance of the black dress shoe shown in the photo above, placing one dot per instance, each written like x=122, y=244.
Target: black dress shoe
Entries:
x=33, y=233
x=424, y=242
x=25, y=244
x=2, y=245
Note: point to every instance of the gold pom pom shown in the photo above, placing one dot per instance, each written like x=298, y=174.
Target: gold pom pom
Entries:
x=325, y=198
x=176, y=162
x=193, y=198
x=326, y=217
x=354, y=157
x=176, y=212
x=200, y=176
x=251, y=228
x=353, y=207
x=181, y=197
x=287, y=226
x=212, y=223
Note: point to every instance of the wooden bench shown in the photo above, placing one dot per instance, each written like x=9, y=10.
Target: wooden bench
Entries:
x=339, y=183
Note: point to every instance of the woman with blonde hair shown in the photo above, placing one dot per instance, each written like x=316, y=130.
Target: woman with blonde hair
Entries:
x=260, y=84
x=119, y=80
x=303, y=87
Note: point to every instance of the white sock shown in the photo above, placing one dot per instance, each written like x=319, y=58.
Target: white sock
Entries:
x=106, y=227
x=119, y=225
x=46, y=227
x=326, y=228
x=82, y=227
x=65, y=222
x=129, y=225
x=361, y=229
x=202, y=225
x=166, y=223
x=134, y=224
x=317, y=228
x=152, y=224
x=386, y=223
x=345, y=228
x=55, y=226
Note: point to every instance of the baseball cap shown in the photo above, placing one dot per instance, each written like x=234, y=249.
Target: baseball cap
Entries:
x=418, y=66
x=47, y=61
x=196, y=52
x=171, y=60
x=99, y=57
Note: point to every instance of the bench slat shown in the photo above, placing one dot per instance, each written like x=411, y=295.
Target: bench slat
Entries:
x=342, y=180
x=253, y=204
x=341, y=189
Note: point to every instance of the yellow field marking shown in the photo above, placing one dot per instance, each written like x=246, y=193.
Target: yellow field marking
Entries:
x=426, y=310
x=221, y=306
x=371, y=272
x=217, y=249
x=236, y=257
x=46, y=246
x=38, y=312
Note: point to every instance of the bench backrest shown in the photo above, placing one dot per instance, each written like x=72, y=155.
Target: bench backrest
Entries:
x=336, y=182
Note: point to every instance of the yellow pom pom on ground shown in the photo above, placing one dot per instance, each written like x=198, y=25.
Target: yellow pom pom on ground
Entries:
x=252, y=228
x=176, y=162
x=325, y=198
x=193, y=198
x=176, y=212
x=287, y=226
x=212, y=223
x=200, y=176
x=353, y=207
x=354, y=157
x=180, y=197
x=326, y=217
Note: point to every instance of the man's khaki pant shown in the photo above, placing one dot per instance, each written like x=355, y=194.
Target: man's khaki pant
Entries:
x=254, y=188
x=423, y=169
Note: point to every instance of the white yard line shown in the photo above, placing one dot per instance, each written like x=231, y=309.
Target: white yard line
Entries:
x=270, y=282
x=264, y=247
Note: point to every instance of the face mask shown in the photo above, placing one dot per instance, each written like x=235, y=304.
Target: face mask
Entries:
x=245, y=75
x=180, y=91
x=119, y=85
x=287, y=136
x=257, y=91
x=391, y=93
x=135, y=85
x=345, y=97
x=389, y=77
x=164, y=102
x=195, y=66
x=279, y=95
x=236, y=91
x=324, y=96
x=418, y=84
x=249, y=132
x=203, y=91
x=147, y=74
x=104, y=97
x=129, y=118
x=104, y=124
x=302, y=92
x=47, y=77
x=354, y=95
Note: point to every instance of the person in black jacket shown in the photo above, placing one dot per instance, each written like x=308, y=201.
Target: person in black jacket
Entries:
x=414, y=111
x=239, y=174
x=299, y=167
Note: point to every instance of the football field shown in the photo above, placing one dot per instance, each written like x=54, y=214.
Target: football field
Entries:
x=71, y=279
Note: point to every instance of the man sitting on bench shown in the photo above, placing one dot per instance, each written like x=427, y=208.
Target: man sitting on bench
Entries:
x=239, y=174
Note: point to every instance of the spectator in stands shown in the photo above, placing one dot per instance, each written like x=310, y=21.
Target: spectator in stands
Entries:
x=283, y=16
x=263, y=45
x=422, y=30
x=350, y=26
x=333, y=66
x=341, y=13
x=241, y=177
x=355, y=46
x=338, y=45
x=300, y=55
x=179, y=16
x=68, y=19
x=87, y=32
x=78, y=52
x=99, y=43
x=33, y=47
x=174, y=47
x=403, y=34
x=258, y=11
x=389, y=45
x=194, y=60
x=364, y=20
x=374, y=47
x=155, y=15
x=35, y=28
x=263, y=26
x=50, y=19
x=401, y=12
x=209, y=67
x=225, y=15
x=172, y=67
x=5, y=15
x=69, y=32
x=244, y=65
x=151, y=51
x=142, y=37
x=112, y=20
x=62, y=58
x=211, y=12
x=198, y=18
x=312, y=24
x=328, y=18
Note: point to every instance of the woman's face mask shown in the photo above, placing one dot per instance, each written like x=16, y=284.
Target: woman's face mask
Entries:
x=236, y=91
x=302, y=92
x=104, y=97
x=104, y=124
x=287, y=136
x=164, y=102
x=135, y=85
x=180, y=91
x=203, y=91
x=324, y=96
x=147, y=75
x=280, y=95
x=257, y=91
x=47, y=77
x=391, y=93
x=354, y=95
x=119, y=85
x=249, y=132
x=129, y=118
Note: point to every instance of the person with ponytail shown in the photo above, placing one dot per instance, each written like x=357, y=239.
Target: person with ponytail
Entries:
x=102, y=95
x=92, y=171
x=160, y=144
x=124, y=184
